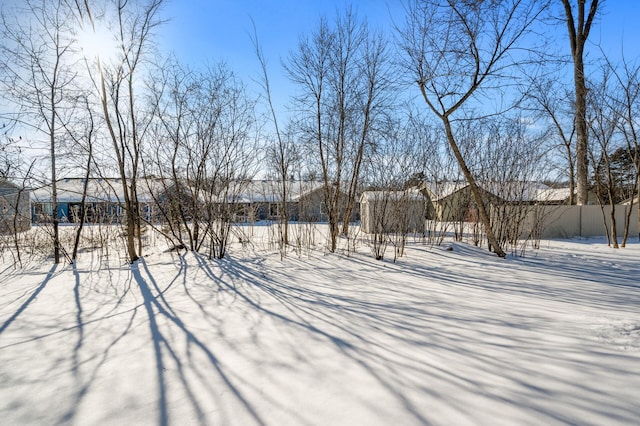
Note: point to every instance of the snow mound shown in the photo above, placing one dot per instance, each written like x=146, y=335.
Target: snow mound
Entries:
x=623, y=336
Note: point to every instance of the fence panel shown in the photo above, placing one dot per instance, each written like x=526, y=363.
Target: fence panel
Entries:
x=580, y=221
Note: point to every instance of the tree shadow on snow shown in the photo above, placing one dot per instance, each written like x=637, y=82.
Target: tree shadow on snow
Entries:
x=439, y=344
x=420, y=342
x=336, y=318
x=83, y=380
x=31, y=298
x=157, y=307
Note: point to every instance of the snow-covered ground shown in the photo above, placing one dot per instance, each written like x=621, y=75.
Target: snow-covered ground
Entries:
x=440, y=337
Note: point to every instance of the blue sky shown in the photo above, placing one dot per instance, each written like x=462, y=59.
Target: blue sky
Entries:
x=201, y=31
x=208, y=31
x=219, y=29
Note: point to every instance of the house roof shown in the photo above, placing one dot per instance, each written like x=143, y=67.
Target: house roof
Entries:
x=516, y=190
x=269, y=191
x=508, y=191
x=440, y=190
x=410, y=194
x=552, y=194
x=69, y=190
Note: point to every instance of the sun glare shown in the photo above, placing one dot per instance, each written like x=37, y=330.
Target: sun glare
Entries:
x=97, y=44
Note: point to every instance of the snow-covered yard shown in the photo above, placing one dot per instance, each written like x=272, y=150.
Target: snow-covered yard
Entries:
x=440, y=337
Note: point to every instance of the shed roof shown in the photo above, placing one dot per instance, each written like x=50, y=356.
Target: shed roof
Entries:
x=410, y=194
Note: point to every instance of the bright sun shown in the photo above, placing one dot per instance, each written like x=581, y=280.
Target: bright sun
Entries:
x=97, y=44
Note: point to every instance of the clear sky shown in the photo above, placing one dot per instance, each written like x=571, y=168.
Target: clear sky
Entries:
x=201, y=31
x=219, y=30
x=208, y=31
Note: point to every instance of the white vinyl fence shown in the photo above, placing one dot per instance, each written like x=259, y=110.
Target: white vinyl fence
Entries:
x=580, y=221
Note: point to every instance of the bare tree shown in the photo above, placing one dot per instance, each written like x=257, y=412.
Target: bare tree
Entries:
x=625, y=102
x=372, y=108
x=455, y=52
x=10, y=153
x=38, y=66
x=510, y=161
x=603, y=125
x=553, y=103
x=342, y=76
x=283, y=154
x=437, y=172
x=392, y=173
x=83, y=136
x=117, y=82
x=579, y=19
x=176, y=156
x=203, y=154
x=233, y=164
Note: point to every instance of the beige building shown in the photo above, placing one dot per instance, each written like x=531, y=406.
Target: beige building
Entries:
x=392, y=211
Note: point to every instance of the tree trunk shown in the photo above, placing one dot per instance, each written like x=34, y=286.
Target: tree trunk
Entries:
x=87, y=176
x=572, y=181
x=582, y=132
x=54, y=188
x=477, y=195
x=578, y=35
x=128, y=206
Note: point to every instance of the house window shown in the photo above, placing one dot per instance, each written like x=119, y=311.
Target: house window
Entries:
x=274, y=210
x=42, y=212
